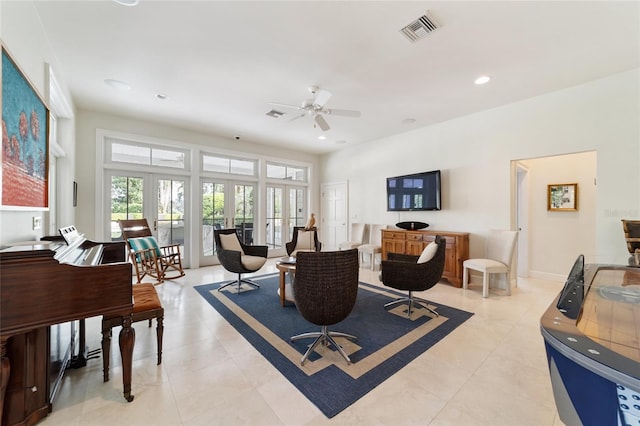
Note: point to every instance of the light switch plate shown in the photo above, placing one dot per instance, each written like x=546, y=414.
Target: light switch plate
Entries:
x=36, y=223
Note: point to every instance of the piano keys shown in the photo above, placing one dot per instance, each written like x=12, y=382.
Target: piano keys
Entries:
x=43, y=285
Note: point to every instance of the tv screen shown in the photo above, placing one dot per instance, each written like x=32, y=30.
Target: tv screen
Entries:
x=419, y=191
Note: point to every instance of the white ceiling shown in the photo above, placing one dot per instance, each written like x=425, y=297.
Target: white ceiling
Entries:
x=221, y=63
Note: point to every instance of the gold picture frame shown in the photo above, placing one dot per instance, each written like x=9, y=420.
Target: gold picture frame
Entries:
x=562, y=197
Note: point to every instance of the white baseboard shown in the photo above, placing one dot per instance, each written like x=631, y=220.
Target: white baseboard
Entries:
x=547, y=276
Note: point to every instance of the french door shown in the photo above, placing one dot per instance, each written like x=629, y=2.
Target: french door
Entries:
x=161, y=199
x=286, y=208
x=226, y=204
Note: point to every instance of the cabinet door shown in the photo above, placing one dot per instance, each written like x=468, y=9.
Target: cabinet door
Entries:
x=26, y=400
x=392, y=246
x=450, y=264
x=415, y=248
x=415, y=243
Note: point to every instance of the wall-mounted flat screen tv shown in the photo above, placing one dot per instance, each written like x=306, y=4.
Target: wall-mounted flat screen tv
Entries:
x=419, y=191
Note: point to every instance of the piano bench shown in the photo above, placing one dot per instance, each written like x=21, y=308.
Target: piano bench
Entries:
x=146, y=306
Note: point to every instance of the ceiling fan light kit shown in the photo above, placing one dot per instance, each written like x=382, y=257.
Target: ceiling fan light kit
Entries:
x=315, y=108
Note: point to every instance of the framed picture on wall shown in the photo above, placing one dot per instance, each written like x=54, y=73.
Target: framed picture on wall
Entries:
x=25, y=141
x=562, y=197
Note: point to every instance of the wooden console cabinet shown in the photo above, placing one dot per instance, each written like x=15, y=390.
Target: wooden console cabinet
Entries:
x=413, y=242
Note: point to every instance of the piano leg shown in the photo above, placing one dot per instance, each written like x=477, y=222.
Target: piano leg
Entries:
x=5, y=369
x=106, y=353
x=127, y=340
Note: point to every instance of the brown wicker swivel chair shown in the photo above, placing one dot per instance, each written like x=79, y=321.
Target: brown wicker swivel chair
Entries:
x=238, y=257
x=325, y=288
x=303, y=240
x=402, y=272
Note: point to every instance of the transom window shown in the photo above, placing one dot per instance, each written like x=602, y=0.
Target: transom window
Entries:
x=286, y=172
x=148, y=155
x=228, y=165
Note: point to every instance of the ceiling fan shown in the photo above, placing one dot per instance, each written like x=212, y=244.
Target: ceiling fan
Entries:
x=315, y=107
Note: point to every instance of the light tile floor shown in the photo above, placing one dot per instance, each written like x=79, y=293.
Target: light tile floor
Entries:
x=490, y=371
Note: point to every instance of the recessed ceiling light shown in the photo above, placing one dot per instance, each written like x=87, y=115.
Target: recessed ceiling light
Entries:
x=117, y=84
x=408, y=121
x=322, y=137
x=161, y=96
x=483, y=79
x=127, y=2
x=341, y=142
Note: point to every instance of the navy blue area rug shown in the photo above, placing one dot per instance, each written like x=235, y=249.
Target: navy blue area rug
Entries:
x=387, y=340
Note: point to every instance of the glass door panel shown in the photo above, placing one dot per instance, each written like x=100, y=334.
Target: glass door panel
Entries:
x=170, y=218
x=212, y=214
x=243, y=211
x=286, y=208
x=297, y=209
x=226, y=204
x=275, y=219
x=126, y=202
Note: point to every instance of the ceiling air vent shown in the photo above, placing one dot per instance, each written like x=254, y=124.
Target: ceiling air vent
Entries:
x=420, y=28
x=274, y=113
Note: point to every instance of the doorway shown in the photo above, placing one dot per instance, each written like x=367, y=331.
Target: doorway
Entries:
x=225, y=204
x=161, y=199
x=334, y=201
x=286, y=208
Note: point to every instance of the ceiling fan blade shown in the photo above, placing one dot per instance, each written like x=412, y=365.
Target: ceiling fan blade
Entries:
x=321, y=98
x=297, y=116
x=343, y=112
x=284, y=105
x=321, y=122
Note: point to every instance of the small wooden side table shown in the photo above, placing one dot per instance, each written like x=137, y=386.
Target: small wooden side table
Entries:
x=284, y=268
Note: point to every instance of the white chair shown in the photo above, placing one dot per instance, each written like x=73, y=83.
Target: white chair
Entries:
x=375, y=244
x=356, y=239
x=499, y=255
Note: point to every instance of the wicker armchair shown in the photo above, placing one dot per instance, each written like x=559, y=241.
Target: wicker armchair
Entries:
x=402, y=272
x=237, y=257
x=326, y=287
x=303, y=240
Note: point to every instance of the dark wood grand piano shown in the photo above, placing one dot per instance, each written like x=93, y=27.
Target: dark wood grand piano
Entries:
x=52, y=283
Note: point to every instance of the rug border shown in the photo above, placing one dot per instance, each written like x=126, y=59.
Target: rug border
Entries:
x=358, y=387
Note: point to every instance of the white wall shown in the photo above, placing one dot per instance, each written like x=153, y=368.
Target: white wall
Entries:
x=558, y=237
x=475, y=153
x=23, y=37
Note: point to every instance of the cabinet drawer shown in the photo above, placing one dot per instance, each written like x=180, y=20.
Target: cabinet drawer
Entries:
x=392, y=235
x=451, y=241
x=413, y=236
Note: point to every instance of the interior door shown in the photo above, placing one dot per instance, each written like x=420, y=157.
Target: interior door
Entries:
x=522, y=219
x=334, y=214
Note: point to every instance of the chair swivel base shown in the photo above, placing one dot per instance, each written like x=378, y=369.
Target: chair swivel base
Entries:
x=325, y=337
x=239, y=282
x=411, y=300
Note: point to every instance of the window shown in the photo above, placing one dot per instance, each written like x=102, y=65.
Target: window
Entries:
x=228, y=165
x=286, y=172
x=143, y=154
